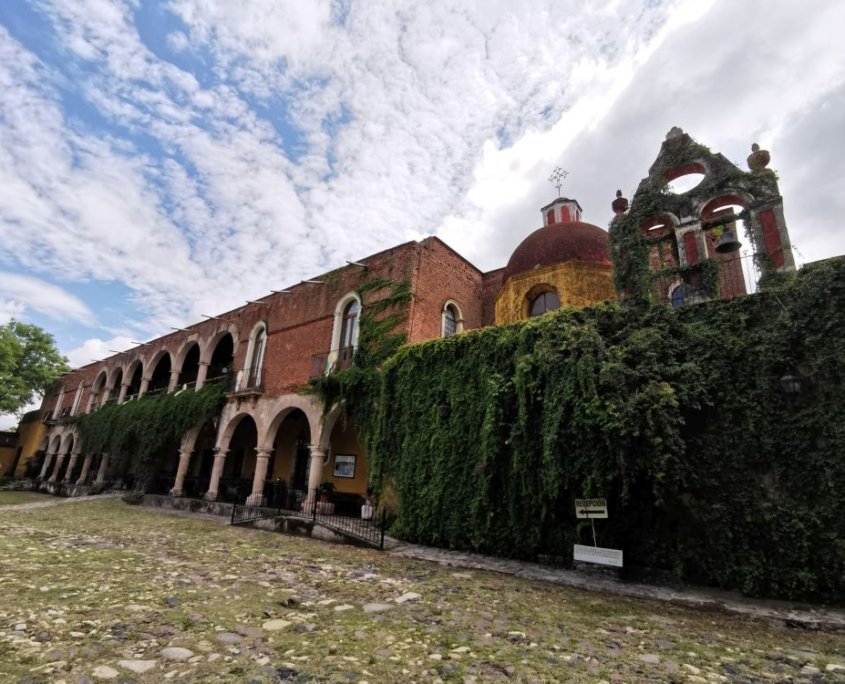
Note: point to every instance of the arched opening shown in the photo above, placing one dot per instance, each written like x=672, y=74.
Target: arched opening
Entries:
x=236, y=482
x=539, y=300
x=198, y=475
x=344, y=337
x=722, y=226
x=135, y=375
x=116, y=384
x=67, y=449
x=190, y=367
x=684, y=178
x=290, y=463
x=160, y=378
x=222, y=359
x=57, y=409
x=76, y=473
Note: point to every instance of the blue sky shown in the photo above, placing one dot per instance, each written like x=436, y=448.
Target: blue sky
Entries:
x=164, y=159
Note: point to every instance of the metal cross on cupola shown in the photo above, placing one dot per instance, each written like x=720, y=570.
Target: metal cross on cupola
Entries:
x=557, y=177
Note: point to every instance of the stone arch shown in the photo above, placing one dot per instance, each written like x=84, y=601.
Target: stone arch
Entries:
x=228, y=427
x=97, y=388
x=276, y=410
x=210, y=344
x=188, y=362
x=187, y=345
x=68, y=442
x=451, y=318
x=55, y=443
x=538, y=290
x=707, y=206
x=134, y=377
x=327, y=425
x=158, y=371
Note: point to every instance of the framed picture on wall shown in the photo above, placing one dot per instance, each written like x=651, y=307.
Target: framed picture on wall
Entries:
x=344, y=465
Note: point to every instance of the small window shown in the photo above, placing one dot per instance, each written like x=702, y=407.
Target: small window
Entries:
x=349, y=326
x=256, y=357
x=452, y=320
x=543, y=303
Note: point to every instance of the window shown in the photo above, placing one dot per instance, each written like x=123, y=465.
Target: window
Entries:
x=347, y=316
x=543, y=303
x=255, y=356
x=76, y=400
x=57, y=410
x=451, y=319
x=349, y=326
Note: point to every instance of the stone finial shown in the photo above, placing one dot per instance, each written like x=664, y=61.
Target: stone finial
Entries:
x=758, y=159
x=620, y=204
x=674, y=132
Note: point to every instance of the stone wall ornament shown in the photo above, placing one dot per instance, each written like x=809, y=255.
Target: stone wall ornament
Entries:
x=758, y=160
x=620, y=204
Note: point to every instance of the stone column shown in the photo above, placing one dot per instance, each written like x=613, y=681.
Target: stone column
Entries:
x=145, y=385
x=174, y=380
x=124, y=387
x=45, y=468
x=101, y=473
x=216, y=472
x=74, y=457
x=60, y=459
x=86, y=466
x=181, y=471
x=315, y=474
x=260, y=477
x=202, y=374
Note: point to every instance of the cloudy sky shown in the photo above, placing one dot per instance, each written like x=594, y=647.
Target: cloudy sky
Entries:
x=163, y=159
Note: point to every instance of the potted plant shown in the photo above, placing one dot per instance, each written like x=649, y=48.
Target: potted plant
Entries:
x=324, y=491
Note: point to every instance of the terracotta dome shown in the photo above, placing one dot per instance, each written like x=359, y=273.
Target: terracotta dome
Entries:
x=558, y=243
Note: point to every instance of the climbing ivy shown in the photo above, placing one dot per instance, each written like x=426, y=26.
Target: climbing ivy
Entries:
x=675, y=416
x=138, y=435
x=384, y=306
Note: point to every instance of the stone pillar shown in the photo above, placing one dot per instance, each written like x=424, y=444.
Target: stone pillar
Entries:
x=216, y=473
x=74, y=457
x=174, y=380
x=181, y=471
x=101, y=473
x=260, y=477
x=315, y=474
x=202, y=374
x=60, y=459
x=145, y=385
x=86, y=466
x=124, y=387
x=45, y=468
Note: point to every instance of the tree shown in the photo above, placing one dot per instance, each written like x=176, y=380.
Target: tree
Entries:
x=29, y=364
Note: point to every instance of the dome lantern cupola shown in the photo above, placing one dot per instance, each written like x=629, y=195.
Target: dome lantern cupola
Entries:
x=562, y=210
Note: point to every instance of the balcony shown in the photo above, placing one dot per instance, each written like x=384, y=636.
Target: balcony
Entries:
x=331, y=361
x=249, y=384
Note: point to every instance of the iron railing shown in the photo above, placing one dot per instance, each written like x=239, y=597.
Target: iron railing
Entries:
x=307, y=505
x=330, y=361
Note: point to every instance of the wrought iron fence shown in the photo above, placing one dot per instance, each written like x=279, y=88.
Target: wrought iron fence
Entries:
x=295, y=503
x=331, y=361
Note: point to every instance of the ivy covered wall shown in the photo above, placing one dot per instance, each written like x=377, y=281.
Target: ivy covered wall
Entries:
x=675, y=416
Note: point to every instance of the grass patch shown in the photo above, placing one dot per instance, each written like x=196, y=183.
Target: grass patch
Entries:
x=13, y=498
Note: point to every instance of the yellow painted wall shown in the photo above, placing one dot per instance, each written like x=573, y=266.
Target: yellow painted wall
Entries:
x=7, y=455
x=31, y=432
x=577, y=284
x=344, y=440
x=284, y=448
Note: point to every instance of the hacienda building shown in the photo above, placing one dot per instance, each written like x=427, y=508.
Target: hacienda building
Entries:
x=273, y=436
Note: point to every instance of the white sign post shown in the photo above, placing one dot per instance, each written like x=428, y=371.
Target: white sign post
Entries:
x=592, y=509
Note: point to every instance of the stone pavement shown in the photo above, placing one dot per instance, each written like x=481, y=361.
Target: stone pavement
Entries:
x=805, y=616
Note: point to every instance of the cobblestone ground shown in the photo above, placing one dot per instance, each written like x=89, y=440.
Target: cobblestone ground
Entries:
x=101, y=591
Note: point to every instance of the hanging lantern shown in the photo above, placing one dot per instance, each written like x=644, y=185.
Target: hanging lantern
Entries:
x=728, y=242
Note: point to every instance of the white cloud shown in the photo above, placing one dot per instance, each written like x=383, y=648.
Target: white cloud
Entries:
x=19, y=293
x=417, y=118
x=95, y=349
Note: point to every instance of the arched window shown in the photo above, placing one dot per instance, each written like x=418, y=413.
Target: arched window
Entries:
x=543, y=303
x=349, y=326
x=255, y=357
x=58, y=409
x=451, y=319
x=78, y=398
x=347, y=316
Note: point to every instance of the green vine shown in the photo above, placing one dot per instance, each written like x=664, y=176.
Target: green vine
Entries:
x=384, y=307
x=675, y=416
x=138, y=435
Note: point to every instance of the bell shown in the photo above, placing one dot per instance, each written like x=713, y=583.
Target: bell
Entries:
x=728, y=242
